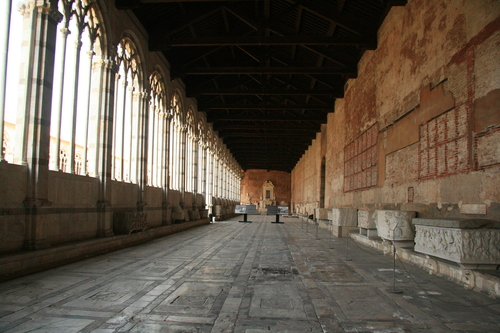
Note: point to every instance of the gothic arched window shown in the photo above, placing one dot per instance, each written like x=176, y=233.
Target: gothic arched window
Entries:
x=127, y=113
x=78, y=46
x=157, y=149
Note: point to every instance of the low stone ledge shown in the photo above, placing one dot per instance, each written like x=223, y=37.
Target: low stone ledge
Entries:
x=472, y=243
x=396, y=226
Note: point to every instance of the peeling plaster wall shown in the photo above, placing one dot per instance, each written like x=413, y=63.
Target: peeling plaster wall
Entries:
x=432, y=90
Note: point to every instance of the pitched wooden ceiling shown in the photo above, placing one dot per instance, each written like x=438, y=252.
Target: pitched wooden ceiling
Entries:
x=265, y=72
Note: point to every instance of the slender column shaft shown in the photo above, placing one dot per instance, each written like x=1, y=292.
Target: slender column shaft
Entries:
x=72, y=141
x=5, y=9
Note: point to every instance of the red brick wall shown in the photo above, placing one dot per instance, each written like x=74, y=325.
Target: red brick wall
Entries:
x=253, y=180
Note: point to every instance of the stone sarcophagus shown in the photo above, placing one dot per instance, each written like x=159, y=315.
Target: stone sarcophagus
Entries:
x=343, y=220
x=472, y=243
x=396, y=226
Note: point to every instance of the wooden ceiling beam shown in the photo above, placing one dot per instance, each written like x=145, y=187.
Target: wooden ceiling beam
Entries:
x=130, y=4
x=264, y=127
x=316, y=118
x=242, y=92
x=159, y=43
x=277, y=107
x=349, y=72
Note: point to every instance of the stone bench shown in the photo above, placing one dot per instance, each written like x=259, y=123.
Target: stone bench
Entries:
x=343, y=220
x=366, y=223
x=472, y=243
x=396, y=226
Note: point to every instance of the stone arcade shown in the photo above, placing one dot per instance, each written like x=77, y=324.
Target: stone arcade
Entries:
x=115, y=130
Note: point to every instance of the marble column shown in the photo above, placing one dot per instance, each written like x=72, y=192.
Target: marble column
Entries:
x=5, y=8
x=34, y=113
x=104, y=150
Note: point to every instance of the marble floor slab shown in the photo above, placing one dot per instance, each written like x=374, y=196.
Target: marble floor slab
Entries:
x=246, y=278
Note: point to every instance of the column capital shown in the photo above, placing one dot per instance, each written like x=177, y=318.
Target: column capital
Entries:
x=42, y=7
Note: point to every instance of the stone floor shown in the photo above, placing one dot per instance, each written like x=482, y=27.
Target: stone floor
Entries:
x=243, y=277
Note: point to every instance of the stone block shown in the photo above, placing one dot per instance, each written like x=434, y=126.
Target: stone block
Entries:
x=395, y=225
x=479, y=209
x=321, y=213
x=346, y=217
x=342, y=231
x=366, y=220
x=472, y=243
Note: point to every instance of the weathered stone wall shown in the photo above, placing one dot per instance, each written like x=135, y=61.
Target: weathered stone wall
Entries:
x=306, y=179
x=419, y=128
x=253, y=179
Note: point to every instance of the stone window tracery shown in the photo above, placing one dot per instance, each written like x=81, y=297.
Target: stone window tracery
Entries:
x=157, y=150
x=77, y=45
x=175, y=141
x=191, y=151
x=128, y=97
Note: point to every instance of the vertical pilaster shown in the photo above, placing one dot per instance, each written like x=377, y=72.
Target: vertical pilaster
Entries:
x=196, y=142
x=35, y=102
x=105, y=146
x=142, y=148
x=203, y=176
x=183, y=164
x=166, y=167
x=216, y=176
x=5, y=8
x=210, y=179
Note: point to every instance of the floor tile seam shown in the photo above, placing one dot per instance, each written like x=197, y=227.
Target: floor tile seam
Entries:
x=193, y=239
x=413, y=271
x=216, y=250
x=244, y=313
x=237, y=269
x=338, y=311
x=10, y=325
x=179, y=243
x=318, y=317
x=94, y=287
x=104, y=278
x=170, y=290
x=413, y=310
x=237, y=273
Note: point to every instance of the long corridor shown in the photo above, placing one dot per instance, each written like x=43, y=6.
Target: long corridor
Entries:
x=243, y=277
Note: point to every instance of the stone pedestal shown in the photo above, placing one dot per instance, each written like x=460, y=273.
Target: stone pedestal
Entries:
x=395, y=225
x=472, y=243
x=218, y=211
x=321, y=216
x=366, y=224
x=344, y=220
